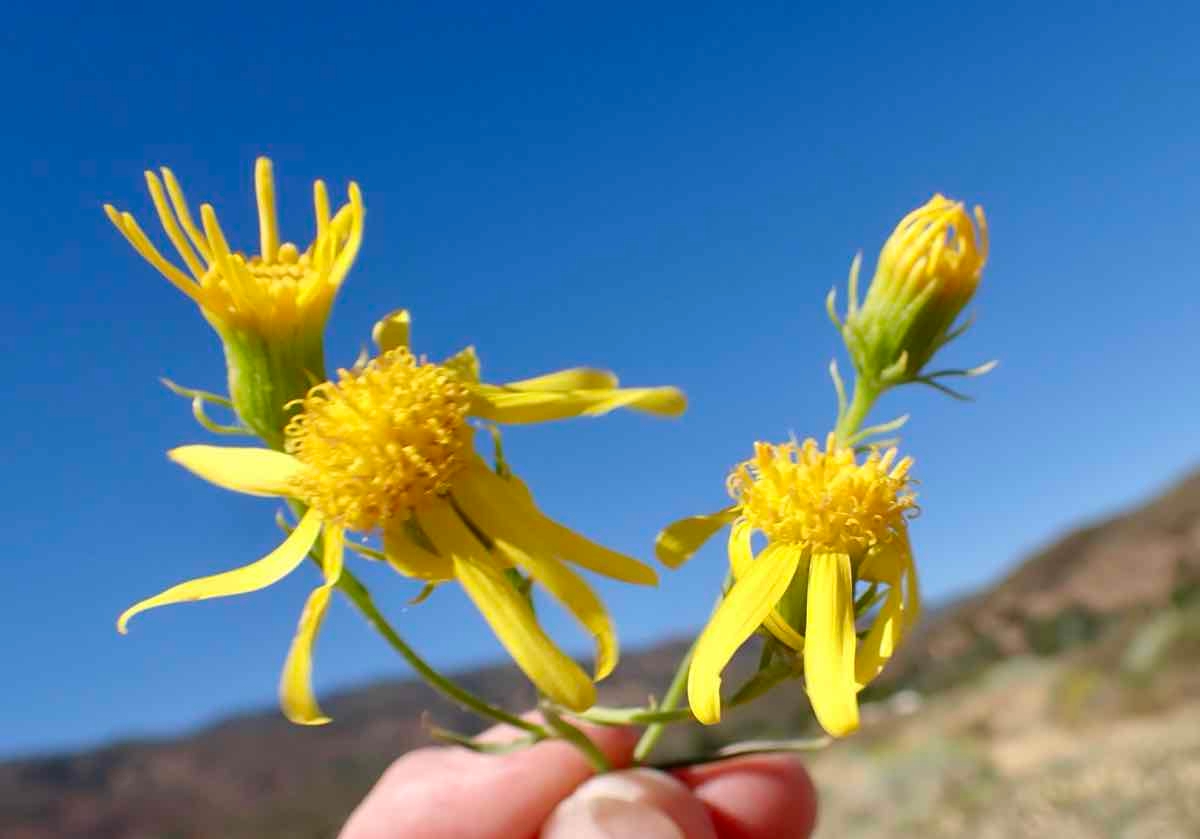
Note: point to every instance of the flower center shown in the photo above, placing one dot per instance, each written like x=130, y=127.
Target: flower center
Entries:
x=268, y=296
x=796, y=493
x=381, y=440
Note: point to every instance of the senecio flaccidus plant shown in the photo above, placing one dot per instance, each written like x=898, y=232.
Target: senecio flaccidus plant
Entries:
x=385, y=451
x=833, y=591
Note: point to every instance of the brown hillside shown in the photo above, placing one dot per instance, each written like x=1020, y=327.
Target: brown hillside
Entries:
x=1065, y=593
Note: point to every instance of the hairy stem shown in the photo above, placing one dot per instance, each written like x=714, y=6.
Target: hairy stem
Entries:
x=361, y=598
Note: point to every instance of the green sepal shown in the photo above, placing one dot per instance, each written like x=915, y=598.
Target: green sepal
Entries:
x=267, y=378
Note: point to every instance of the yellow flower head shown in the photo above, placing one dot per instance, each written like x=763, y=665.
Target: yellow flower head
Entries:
x=830, y=522
x=928, y=271
x=270, y=308
x=798, y=494
x=381, y=440
x=387, y=449
x=276, y=293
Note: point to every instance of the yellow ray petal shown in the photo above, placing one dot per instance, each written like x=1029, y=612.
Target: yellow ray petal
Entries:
x=499, y=404
x=507, y=611
x=912, y=594
x=258, y=575
x=321, y=208
x=741, y=557
x=507, y=526
x=677, y=543
x=349, y=249
x=739, y=615
x=877, y=648
x=885, y=563
x=268, y=221
x=133, y=234
x=411, y=559
x=296, y=696
x=392, y=330
x=464, y=364
x=830, y=642
x=564, y=542
x=167, y=218
x=577, y=378
x=185, y=215
x=253, y=471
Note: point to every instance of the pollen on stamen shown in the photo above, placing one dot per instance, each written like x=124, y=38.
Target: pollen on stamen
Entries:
x=380, y=441
x=798, y=494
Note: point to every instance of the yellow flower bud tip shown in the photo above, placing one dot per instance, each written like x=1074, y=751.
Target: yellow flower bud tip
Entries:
x=275, y=293
x=935, y=245
x=927, y=272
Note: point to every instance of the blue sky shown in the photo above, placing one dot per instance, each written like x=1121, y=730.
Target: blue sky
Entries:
x=665, y=190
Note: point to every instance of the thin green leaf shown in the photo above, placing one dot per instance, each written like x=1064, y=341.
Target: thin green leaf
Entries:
x=840, y=387
x=882, y=428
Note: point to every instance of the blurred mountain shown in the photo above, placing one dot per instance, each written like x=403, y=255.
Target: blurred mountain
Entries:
x=1043, y=705
x=1065, y=595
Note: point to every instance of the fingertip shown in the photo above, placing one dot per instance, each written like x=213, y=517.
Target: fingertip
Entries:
x=759, y=797
x=636, y=802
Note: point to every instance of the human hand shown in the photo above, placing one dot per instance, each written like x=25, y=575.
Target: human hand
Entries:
x=548, y=791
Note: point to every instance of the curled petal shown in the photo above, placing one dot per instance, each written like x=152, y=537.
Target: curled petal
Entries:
x=877, y=648
x=677, y=543
x=564, y=542
x=500, y=404
x=411, y=559
x=253, y=471
x=504, y=523
x=507, y=612
x=392, y=330
x=741, y=613
x=741, y=556
x=296, y=695
x=577, y=378
x=258, y=575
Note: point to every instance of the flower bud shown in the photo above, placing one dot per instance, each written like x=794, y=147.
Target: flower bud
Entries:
x=927, y=272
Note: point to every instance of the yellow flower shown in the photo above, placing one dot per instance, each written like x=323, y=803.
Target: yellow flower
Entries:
x=387, y=448
x=928, y=271
x=277, y=292
x=829, y=523
x=269, y=309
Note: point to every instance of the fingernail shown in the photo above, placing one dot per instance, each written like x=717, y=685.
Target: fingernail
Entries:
x=610, y=807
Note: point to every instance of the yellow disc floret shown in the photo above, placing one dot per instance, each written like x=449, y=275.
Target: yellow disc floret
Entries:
x=797, y=494
x=380, y=440
x=262, y=296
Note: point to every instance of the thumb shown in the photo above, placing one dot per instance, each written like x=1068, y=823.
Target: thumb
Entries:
x=634, y=804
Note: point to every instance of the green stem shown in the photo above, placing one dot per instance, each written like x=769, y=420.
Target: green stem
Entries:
x=761, y=747
x=600, y=715
x=654, y=731
x=576, y=738
x=860, y=405
x=361, y=598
